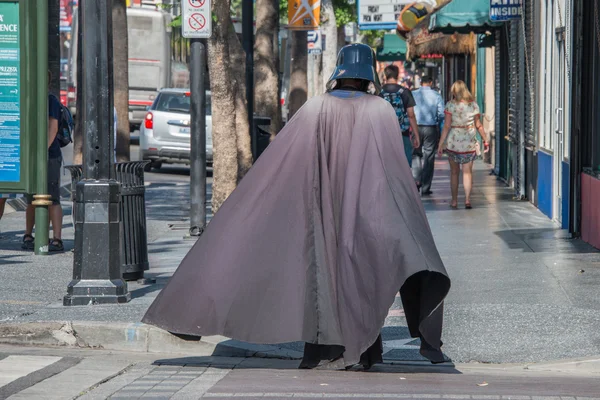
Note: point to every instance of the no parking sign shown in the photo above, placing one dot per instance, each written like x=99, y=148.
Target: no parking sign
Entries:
x=197, y=21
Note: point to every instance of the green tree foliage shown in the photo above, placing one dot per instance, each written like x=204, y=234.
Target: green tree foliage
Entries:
x=344, y=12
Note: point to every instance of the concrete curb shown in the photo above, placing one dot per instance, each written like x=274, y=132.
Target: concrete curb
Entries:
x=142, y=338
x=586, y=365
x=136, y=337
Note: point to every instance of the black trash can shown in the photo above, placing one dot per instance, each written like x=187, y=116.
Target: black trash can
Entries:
x=261, y=135
x=133, y=237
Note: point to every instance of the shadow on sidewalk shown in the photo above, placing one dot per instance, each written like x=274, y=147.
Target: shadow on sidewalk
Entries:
x=13, y=240
x=10, y=260
x=544, y=240
x=219, y=360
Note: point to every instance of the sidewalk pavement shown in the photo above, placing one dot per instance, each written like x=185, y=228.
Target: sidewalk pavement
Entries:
x=522, y=291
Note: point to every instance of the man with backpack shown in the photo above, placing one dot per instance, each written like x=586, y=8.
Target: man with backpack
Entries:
x=60, y=124
x=403, y=102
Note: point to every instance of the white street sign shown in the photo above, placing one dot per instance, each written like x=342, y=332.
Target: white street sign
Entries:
x=196, y=19
x=380, y=14
x=314, y=40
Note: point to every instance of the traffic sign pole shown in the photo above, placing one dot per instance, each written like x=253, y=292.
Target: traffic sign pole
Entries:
x=197, y=26
x=248, y=42
x=198, y=139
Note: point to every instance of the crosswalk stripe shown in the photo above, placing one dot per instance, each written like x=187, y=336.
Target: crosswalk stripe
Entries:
x=37, y=376
x=74, y=381
x=15, y=367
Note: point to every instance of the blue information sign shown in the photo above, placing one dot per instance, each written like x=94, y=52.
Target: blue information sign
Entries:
x=10, y=85
x=505, y=10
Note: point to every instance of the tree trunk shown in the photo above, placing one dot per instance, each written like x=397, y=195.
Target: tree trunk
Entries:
x=341, y=38
x=237, y=71
x=298, y=77
x=121, y=78
x=78, y=131
x=54, y=46
x=225, y=152
x=329, y=30
x=278, y=68
x=265, y=62
x=319, y=84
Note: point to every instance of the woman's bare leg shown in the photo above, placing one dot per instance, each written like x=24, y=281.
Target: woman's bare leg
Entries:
x=454, y=177
x=468, y=181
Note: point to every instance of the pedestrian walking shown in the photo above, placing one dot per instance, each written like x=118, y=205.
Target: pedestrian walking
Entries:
x=459, y=139
x=54, y=164
x=429, y=111
x=403, y=102
x=317, y=239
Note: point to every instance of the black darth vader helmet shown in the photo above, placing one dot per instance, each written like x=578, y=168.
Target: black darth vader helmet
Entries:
x=356, y=61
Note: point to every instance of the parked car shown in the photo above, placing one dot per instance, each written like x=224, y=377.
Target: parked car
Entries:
x=165, y=132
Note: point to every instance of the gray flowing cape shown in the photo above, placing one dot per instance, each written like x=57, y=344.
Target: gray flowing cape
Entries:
x=316, y=241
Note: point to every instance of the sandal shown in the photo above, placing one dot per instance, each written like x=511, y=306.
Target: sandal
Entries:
x=28, y=242
x=468, y=206
x=56, y=245
x=454, y=206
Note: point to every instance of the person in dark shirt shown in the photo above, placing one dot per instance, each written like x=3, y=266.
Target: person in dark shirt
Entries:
x=54, y=164
x=411, y=139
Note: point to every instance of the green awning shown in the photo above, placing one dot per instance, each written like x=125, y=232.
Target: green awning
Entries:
x=393, y=49
x=463, y=16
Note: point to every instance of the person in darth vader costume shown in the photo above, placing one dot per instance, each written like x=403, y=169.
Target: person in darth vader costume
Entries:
x=318, y=238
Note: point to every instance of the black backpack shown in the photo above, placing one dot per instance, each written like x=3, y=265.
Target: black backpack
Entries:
x=65, y=127
x=395, y=99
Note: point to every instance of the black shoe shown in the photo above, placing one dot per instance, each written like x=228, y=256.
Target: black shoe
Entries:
x=28, y=242
x=56, y=245
x=427, y=193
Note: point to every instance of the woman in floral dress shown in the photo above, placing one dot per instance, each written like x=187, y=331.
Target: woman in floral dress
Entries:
x=459, y=139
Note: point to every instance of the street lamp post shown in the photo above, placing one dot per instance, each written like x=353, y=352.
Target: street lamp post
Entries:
x=96, y=267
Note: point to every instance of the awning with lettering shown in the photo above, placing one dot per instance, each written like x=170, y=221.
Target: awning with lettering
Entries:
x=463, y=16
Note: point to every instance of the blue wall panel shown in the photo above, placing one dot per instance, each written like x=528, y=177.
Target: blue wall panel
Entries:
x=545, y=173
x=565, y=194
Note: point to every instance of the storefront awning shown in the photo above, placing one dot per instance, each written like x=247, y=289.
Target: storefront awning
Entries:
x=422, y=42
x=463, y=16
x=393, y=49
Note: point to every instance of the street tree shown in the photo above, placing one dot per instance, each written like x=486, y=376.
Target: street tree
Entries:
x=231, y=135
x=330, y=31
x=121, y=78
x=298, y=76
x=266, y=56
x=232, y=152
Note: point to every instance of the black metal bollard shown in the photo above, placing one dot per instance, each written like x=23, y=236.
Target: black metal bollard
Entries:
x=133, y=232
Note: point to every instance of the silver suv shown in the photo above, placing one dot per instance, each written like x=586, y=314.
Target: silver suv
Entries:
x=165, y=132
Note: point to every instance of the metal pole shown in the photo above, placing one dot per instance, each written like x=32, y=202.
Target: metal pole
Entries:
x=198, y=138
x=248, y=43
x=41, y=200
x=97, y=275
x=522, y=121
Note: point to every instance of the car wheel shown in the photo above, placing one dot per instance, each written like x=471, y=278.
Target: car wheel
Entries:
x=156, y=165
x=148, y=167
